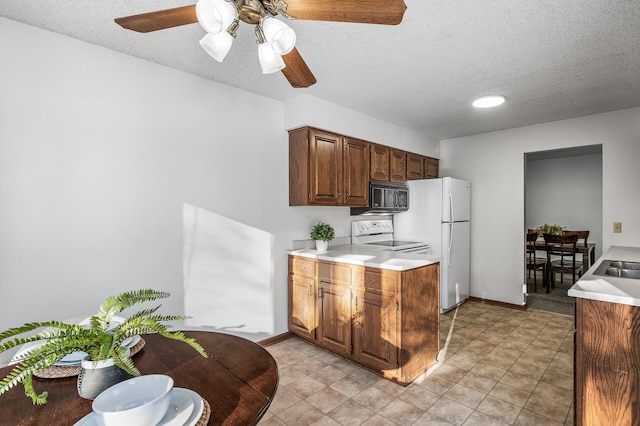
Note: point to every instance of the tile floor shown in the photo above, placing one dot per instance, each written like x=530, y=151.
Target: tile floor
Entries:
x=501, y=366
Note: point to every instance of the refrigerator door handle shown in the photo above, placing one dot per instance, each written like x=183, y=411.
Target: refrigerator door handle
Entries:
x=450, y=207
x=450, y=243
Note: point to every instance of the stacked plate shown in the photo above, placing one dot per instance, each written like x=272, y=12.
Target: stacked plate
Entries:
x=185, y=409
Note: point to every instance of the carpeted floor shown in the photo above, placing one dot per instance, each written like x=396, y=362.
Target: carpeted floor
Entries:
x=556, y=300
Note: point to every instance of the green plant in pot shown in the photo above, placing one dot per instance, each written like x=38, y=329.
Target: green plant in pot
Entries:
x=99, y=338
x=549, y=229
x=322, y=233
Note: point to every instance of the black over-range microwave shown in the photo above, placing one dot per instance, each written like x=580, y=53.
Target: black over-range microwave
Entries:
x=385, y=198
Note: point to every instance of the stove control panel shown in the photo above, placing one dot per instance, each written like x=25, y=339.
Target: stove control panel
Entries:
x=371, y=227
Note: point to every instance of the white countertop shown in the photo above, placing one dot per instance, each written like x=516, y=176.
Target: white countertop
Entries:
x=605, y=288
x=375, y=257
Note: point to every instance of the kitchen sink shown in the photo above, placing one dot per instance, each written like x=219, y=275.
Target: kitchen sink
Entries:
x=624, y=265
x=619, y=268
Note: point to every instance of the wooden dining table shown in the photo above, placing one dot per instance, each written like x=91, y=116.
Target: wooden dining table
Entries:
x=238, y=381
x=588, y=252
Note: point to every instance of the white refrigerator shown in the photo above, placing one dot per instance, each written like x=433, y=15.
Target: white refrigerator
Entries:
x=440, y=213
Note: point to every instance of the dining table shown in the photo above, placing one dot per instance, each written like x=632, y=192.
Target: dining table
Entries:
x=588, y=252
x=238, y=382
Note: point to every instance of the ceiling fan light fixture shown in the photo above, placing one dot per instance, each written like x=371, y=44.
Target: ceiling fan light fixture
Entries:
x=280, y=35
x=215, y=15
x=270, y=61
x=217, y=45
x=488, y=101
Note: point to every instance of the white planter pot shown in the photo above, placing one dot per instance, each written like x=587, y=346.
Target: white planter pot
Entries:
x=97, y=376
x=322, y=245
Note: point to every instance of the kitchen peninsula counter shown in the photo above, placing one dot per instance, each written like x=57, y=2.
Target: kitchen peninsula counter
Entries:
x=606, y=288
x=607, y=338
x=374, y=257
x=377, y=308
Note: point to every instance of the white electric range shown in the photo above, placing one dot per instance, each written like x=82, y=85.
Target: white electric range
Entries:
x=379, y=233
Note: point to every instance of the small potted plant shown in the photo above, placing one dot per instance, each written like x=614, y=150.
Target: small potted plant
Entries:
x=549, y=229
x=99, y=337
x=322, y=233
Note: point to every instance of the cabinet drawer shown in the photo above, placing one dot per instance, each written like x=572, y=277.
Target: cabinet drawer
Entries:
x=381, y=280
x=335, y=273
x=302, y=266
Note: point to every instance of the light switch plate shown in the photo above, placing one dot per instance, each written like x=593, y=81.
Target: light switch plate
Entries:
x=617, y=227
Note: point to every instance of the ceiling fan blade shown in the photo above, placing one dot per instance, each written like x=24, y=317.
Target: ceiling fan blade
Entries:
x=159, y=20
x=389, y=12
x=297, y=71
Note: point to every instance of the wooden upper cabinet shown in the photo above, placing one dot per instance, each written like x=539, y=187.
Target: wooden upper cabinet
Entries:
x=431, y=167
x=356, y=172
x=380, y=162
x=398, y=166
x=415, y=166
x=325, y=156
x=326, y=169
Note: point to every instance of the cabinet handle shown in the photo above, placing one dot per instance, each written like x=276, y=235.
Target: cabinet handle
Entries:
x=310, y=290
x=320, y=293
x=346, y=192
x=356, y=303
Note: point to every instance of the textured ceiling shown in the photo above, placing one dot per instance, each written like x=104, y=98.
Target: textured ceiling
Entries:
x=551, y=59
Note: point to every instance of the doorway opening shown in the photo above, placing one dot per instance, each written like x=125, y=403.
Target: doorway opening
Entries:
x=562, y=187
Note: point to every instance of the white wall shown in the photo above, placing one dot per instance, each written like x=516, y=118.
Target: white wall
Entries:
x=566, y=191
x=108, y=161
x=494, y=162
x=306, y=110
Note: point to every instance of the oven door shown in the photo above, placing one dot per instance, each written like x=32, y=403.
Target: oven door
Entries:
x=417, y=250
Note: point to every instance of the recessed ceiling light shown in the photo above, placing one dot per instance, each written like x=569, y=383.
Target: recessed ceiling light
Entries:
x=488, y=101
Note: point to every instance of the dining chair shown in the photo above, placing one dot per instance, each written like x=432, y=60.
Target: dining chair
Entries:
x=535, y=263
x=583, y=236
x=563, y=247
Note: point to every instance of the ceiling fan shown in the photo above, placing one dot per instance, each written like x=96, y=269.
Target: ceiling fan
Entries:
x=276, y=51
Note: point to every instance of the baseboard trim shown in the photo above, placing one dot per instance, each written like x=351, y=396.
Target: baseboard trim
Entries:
x=497, y=303
x=275, y=339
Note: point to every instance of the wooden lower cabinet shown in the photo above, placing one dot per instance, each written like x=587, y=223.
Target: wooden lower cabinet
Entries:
x=375, y=331
x=607, y=363
x=302, y=297
x=334, y=319
x=387, y=321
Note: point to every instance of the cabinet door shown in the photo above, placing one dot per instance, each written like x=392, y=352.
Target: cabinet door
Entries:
x=334, y=317
x=375, y=331
x=302, y=306
x=415, y=166
x=325, y=158
x=380, y=163
x=431, y=166
x=356, y=171
x=398, y=165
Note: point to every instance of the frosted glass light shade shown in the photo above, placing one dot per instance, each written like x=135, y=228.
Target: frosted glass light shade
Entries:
x=217, y=45
x=488, y=101
x=270, y=61
x=215, y=15
x=279, y=34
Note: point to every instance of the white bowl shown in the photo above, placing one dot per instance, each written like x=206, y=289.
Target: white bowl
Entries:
x=138, y=401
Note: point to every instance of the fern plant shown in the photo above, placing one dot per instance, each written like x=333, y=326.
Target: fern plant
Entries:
x=99, y=339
